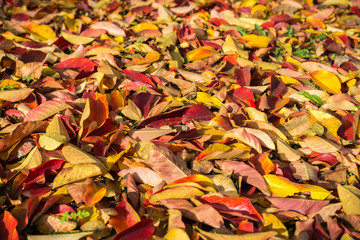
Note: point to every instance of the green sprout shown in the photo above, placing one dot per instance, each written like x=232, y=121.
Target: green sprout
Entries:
x=75, y=216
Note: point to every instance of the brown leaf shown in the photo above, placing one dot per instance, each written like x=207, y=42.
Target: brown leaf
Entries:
x=164, y=162
x=200, y=213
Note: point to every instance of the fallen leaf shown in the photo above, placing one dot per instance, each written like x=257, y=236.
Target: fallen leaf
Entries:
x=40, y=32
x=76, y=173
x=45, y=110
x=326, y=80
x=350, y=198
x=76, y=39
x=283, y=187
x=164, y=162
x=241, y=206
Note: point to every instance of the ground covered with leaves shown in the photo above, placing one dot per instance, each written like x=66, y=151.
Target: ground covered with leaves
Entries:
x=179, y=119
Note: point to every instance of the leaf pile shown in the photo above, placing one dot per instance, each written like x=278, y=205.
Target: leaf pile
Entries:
x=204, y=119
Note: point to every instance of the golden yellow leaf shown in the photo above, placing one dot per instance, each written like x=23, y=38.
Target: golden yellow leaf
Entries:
x=272, y=223
x=289, y=80
x=176, y=234
x=40, y=32
x=283, y=187
x=327, y=81
x=331, y=123
x=253, y=40
x=145, y=26
x=205, y=98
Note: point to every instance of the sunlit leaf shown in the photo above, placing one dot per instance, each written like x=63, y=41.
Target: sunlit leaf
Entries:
x=253, y=40
x=40, y=32
x=76, y=39
x=350, y=199
x=327, y=81
x=176, y=233
x=200, y=53
x=8, y=226
x=76, y=173
x=283, y=187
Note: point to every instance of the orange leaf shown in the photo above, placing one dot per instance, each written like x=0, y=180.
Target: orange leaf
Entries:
x=93, y=194
x=315, y=22
x=125, y=218
x=99, y=109
x=8, y=226
x=200, y=53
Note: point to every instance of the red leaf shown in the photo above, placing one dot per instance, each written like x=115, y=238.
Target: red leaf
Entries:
x=8, y=227
x=326, y=157
x=135, y=76
x=174, y=116
x=242, y=94
x=78, y=64
x=236, y=206
x=37, y=173
x=140, y=231
x=126, y=217
x=197, y=112
x=243, y=76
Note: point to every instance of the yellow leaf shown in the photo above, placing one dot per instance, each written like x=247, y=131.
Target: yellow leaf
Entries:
x=40, y=32
x=350, y=199
x=283, y=187
x=51, y=141
x=331, y=123
x=204, y=98
x=200, y=53
x=75, y=155
x=145, y=26
x=248, y=3
x=12, y=37
x=272, y=223
x=289, y=80
x=327, y=81
x=9, y=82
x=32, y=160
x=255, y=114
x=259, y=8
x=253, y=40
x=176, y=234
x=76, y=173
x=76, y=39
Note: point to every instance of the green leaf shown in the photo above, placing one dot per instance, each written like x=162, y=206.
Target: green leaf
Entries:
x=316, y=99
x=260, y=29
